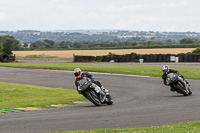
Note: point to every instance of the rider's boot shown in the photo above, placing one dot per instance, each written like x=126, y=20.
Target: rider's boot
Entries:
x=187, y=85
x=104, y=89
x=96, y=88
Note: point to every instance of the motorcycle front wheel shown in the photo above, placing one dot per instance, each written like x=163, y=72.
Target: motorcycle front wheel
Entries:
x=92, y=96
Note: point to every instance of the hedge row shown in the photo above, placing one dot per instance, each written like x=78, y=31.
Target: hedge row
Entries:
x=133, y=57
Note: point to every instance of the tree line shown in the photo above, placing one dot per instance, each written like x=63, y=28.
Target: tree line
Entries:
x=92, y=35
x=134, y=43
x=9, y=43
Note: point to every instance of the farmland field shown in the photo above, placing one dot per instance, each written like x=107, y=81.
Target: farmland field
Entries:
x=63, y=53
x=67, y=55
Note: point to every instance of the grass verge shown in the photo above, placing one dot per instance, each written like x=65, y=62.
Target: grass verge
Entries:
x=187, y=127
x=19, y=95
x=152, y=71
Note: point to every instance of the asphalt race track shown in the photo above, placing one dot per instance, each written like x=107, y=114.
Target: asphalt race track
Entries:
x=138, y=102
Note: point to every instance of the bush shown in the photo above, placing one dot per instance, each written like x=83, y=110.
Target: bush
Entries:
x=197, y=50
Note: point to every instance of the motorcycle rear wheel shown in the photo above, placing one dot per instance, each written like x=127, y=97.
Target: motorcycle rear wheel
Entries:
x=110, y=101
x=190, y=93
x=181, y=90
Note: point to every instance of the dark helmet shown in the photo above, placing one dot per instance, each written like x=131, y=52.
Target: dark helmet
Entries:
x=77, y=72
x=165, y=68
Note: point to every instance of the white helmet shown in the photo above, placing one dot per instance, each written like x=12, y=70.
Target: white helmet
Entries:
x=165, y=68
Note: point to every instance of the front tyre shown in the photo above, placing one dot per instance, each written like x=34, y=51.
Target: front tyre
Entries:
x=92, y=96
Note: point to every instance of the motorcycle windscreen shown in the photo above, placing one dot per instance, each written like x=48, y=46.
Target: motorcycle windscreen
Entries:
x=170, y=77
x=84, y=84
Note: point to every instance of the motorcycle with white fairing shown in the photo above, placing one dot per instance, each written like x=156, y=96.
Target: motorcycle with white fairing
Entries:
x=178, y=83
x=93, y=92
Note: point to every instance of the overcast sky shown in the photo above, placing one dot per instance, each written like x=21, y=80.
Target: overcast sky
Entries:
x=141, y=15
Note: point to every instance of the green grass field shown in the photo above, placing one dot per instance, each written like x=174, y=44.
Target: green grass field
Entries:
x=152, y=71
x=19, y=95
x=187, y=127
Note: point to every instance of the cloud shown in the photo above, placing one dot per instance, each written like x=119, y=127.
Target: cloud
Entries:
x=124, y=9
x=3, y=16
x=154, y=23
x=105, y=14
x=179, y=4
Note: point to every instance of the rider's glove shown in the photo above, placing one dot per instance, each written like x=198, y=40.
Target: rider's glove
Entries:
x=177, y=73
x=92, y=79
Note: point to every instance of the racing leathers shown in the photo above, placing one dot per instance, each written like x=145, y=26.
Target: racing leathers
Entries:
x=89, y=75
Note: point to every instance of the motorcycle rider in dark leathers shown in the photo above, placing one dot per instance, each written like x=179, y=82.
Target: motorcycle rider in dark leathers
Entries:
x=79, y=75
x=166, y=70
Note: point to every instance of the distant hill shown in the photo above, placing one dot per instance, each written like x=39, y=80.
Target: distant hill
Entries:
x=83, y=31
